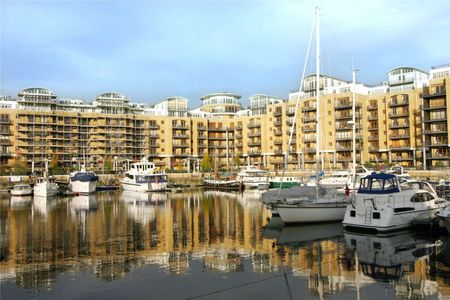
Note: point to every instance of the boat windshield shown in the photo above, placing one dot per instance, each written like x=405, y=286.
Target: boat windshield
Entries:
x=149, y=178
x=378, y=184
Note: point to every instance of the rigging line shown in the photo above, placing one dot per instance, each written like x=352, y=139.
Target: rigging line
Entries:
x=292, y=128
x=235, y=287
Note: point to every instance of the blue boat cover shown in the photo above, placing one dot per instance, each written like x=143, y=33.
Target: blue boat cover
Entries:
x=84, y=177
x=378, y=183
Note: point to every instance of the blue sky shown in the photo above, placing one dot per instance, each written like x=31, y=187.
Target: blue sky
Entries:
x=150, y=50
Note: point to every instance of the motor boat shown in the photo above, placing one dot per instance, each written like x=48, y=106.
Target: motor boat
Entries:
x=284, y=182
x=45, y=187
x=253, y=177
x=21, y=190
x=382, y=204
x=83, y=182
x=144, y=177
x=444, y=217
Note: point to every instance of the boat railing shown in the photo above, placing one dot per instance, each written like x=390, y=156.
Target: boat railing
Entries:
x=391, y=201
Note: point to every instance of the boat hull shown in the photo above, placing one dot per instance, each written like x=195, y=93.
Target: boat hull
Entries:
x=311, y=213
x=144, y=186
x=27, y=192
x=46, y=189
x=284, y=185
x=83, y=187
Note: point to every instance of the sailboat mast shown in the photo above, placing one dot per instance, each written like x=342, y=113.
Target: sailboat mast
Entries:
x=317, y=93
x=354, y=128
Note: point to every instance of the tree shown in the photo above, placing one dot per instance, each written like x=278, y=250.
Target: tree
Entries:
x=206, y=163
x=107, y=164
x=54, y=165
x=19, y=165
x=237, y=160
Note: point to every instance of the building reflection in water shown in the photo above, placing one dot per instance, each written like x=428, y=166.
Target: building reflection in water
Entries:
x=112, y=233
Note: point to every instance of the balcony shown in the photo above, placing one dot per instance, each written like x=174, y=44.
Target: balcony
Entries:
x=254, y=143
x=309, y=150
x=373, y=138
x=218, y=138
x=277, y=132
x=238, y=127
x=5, y=121
x=372, y=128
x=180, y=126
x=399, y=136
x=253, y=125
x=254, y=134
x=372, y=117
x=153, y=135
x=400, y=158
x=372, y=107
x=278, y=151
x=438, y=144
x=290, y=112
x=343, y=117
x=373, y=149
x=155, y=145
x=277, y=113
x=153, y=126
x=440, y=119
x=180, y=136
x=309, y=139
x=309, y=128
x=400, y=148
x=399, y=115
x=278, y=142
x=396, y=103
x=254, y=153
x=180, y=145
x=5, y=142
x=202, y=137
x=396, y=126
x=343, y=148
x=309, y=108
x=277, y=123
x=434, y=94
x=218, y=129
x=434, y=107
x=201, y=127
x=435, y=132
x=308, y=119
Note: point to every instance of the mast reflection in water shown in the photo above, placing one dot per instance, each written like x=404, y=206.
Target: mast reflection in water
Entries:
x=202, y=244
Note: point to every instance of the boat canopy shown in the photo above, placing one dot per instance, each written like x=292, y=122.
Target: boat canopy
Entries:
x=84, y=177
x=379, y=183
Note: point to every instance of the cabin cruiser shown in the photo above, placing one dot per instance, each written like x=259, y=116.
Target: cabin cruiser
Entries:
x=45, y=187
x=143, y=177
x=384, y=204
x=252, y=177
x=83, y=182
x=22, y=190
x=226, y=184
x=337, y=180
x=401, y=173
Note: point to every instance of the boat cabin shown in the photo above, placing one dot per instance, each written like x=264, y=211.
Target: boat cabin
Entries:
x=379, y=183
x=153, y=178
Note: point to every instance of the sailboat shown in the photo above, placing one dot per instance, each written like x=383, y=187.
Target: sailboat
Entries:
x=314, y=204
x=222, y=183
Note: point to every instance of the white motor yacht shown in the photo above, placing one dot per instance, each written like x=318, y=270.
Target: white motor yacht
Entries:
x=22, y=190
x=383, y=204
x=45, y=187
x=143, y=177
x=83, y=182
x=252, y=177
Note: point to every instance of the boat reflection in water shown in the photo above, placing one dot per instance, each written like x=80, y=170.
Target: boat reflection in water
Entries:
x=141, y=207
x=44, y=205
x=20, y=202
x=399, y=258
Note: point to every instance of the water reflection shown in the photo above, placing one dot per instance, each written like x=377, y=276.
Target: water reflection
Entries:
x=195, y=232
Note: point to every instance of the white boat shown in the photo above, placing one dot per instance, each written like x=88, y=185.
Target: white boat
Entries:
x=143, y=177
x=22, y=190
x=444, y=217
x=384, y=204
x=337, y=180
x=313, y=205
x=252, y=177
x=443, y=189
x=83, y=182
x=45, y=187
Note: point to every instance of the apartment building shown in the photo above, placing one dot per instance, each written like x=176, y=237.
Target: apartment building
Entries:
x=404, y=121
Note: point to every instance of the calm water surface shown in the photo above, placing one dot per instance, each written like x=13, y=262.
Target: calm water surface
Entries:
x=203, y=245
